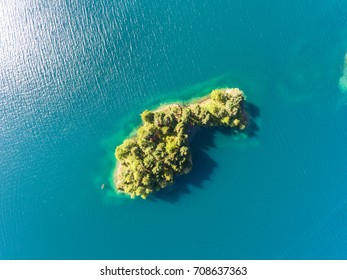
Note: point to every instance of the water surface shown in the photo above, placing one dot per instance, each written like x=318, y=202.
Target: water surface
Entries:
x=75, y=76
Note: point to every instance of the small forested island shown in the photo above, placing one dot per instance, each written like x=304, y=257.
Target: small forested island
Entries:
x=159, y=151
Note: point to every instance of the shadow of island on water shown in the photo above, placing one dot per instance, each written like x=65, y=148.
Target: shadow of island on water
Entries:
x=203, y=164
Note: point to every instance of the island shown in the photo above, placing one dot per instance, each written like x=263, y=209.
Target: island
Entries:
x=159, y=151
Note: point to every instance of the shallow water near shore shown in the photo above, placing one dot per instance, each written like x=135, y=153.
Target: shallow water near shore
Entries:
x=73, y=80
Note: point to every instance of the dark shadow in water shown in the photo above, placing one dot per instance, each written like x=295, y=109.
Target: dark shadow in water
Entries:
x=203, y=164
x=253, y=113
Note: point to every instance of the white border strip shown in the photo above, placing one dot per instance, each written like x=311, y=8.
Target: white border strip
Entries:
x=192, y=270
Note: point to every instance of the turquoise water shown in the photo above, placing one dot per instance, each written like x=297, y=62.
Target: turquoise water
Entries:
x=74, y=77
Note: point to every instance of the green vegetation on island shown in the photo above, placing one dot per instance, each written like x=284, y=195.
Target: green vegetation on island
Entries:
x=159, y=151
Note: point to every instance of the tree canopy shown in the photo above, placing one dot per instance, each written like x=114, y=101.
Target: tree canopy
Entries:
x=159, y=151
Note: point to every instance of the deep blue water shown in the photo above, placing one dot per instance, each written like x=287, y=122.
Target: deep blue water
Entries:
x=74, y=77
